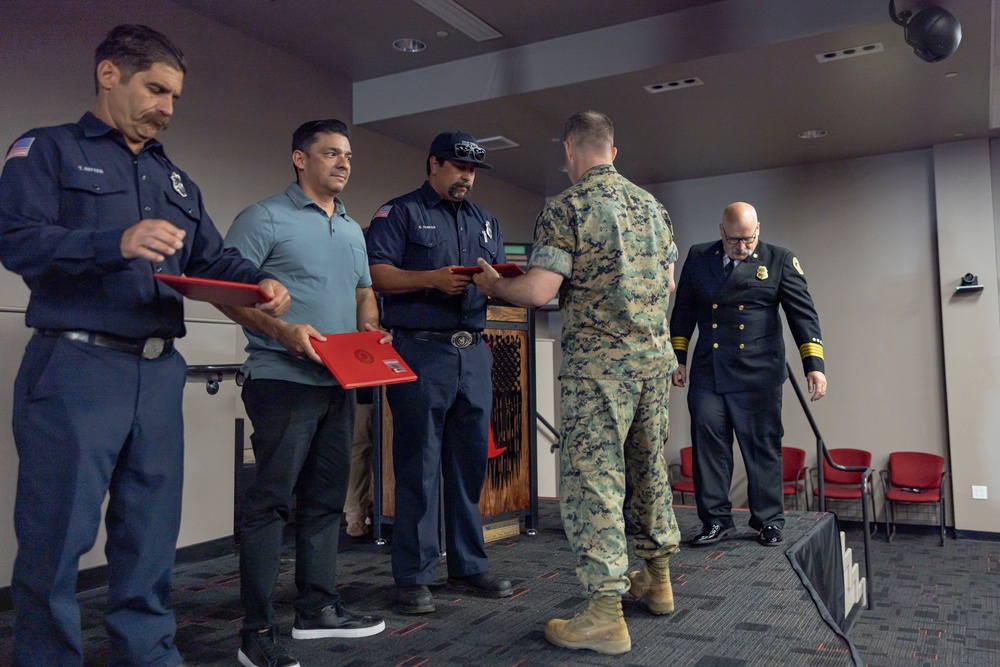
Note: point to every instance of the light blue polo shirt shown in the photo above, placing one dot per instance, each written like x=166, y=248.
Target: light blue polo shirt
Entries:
x=320, y=259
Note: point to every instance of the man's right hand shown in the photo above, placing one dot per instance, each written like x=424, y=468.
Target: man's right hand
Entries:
x=151, y=239
x=450, y=283
x=679, y=378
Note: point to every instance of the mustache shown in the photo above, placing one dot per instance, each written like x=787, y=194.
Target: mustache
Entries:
x=161, y=120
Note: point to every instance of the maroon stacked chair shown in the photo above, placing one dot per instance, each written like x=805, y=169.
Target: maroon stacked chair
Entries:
x=913, y=477
x=793, y=472
x=681, y=476
x=840, y=485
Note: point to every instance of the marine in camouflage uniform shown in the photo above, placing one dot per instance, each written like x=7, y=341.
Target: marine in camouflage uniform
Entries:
x=606, y=246
x=613, y=243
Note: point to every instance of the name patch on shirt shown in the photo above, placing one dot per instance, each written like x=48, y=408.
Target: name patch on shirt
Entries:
x=90, y=170
x=20, y=148
x=426, y=226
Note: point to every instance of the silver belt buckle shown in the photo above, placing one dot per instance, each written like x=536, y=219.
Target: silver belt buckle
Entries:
x=461, y=339
x=153, y=348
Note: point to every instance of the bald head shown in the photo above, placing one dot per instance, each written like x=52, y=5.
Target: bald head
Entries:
x=740, y=230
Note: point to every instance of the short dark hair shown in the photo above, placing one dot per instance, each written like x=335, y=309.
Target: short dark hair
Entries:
x=590, y=130
x=135, y=48
x=305, y=135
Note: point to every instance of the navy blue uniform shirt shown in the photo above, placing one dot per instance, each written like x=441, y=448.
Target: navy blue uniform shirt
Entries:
x=422, y=231
x=67, y=194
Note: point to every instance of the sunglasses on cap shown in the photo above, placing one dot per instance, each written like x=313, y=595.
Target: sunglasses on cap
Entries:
x=467, y=148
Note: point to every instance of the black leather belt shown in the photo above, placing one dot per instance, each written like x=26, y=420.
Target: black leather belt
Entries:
x=147, y=348
x=459, y=339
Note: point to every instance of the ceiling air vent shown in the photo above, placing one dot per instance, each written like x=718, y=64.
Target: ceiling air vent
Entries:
x=497, y=143
x=852, y=52
x=674, y=85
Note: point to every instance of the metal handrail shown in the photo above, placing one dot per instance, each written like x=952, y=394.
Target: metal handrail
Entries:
x=552, y=430
x=213, y=374
x=823, y=453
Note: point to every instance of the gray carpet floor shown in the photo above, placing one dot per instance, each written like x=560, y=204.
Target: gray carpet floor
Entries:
x=738, y=604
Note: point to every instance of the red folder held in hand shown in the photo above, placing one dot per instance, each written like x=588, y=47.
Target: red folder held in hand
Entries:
x=359, y=360
x=215, y=291
x=505, y=270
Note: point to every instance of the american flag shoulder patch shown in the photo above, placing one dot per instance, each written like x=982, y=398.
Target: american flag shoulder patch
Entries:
x=20, y=148
x=382, y=212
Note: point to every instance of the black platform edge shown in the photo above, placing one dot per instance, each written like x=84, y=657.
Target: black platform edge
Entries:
x=97, y=577
x=980, y=535
x=824, y=581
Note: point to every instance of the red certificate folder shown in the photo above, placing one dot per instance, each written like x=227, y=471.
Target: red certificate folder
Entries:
x=359, y=360
x=505, y=270
x=215, y=291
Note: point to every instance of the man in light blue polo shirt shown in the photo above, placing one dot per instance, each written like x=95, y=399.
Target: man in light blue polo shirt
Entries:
x=302, y=419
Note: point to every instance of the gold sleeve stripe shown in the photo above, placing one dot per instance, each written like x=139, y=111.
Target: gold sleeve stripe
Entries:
x=811, y=350
x=679, y=343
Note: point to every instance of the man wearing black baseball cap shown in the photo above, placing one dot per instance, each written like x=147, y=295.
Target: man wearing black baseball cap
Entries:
x=442, y=420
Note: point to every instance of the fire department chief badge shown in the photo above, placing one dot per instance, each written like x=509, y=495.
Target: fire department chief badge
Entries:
x=761, y=273
x=178, y=184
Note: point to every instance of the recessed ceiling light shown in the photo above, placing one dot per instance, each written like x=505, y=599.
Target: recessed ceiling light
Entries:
x=812, y=134
x=562, y=168
x=959, y=134
x=441, y=33
x=409, y=45
x=951, y=75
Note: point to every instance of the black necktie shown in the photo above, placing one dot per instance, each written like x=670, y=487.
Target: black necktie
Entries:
x=729, y=268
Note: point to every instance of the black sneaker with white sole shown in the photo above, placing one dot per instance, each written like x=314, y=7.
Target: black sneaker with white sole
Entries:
x=336, y=621
x=264, y=649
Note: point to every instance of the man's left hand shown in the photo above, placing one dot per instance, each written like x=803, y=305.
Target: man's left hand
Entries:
x=386, y=337
x=280, y=299
x=816, y=384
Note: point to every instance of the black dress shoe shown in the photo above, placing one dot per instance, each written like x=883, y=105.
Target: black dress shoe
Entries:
x=711, y=533
x=770, y=536
x=414, y=600
x=483, y=585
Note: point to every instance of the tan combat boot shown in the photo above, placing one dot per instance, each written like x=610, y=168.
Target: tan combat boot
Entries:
x=600, y=627
x=652, y=582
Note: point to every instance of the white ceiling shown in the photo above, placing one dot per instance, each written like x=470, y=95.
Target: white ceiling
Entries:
x=761, y=82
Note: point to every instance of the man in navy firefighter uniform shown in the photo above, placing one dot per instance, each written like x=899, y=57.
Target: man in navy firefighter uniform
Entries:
x=731, y=290
x=441, y=421
x=89, y=212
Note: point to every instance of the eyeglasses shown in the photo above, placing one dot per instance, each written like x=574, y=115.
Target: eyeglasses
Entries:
x=467, y=148
x=736, y=240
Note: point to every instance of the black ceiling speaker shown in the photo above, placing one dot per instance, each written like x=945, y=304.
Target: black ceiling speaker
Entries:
x=933, y=32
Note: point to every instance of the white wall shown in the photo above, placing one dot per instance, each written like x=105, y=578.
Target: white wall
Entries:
x=232, y=133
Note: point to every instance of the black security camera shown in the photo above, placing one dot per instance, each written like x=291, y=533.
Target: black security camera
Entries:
x=934, y=33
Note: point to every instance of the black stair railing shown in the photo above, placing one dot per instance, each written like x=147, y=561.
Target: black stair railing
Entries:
x=866, y=487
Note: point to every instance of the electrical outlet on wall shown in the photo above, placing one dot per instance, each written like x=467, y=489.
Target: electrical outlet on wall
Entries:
x=979, y=492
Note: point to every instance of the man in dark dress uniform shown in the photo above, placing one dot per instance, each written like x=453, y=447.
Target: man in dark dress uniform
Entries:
x=731, y=290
